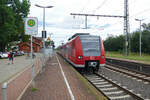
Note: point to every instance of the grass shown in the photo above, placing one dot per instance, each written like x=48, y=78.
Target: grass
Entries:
x=145, y=58
x=34, y=89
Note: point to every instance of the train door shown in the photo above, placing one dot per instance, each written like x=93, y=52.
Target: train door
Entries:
x=67, y=51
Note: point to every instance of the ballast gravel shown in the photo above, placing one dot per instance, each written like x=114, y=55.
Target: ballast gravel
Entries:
x=137, y=86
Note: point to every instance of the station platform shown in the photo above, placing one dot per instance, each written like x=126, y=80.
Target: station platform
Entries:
x=16, y=77
x=8, y=70
x=129, y=60
x=59, y=81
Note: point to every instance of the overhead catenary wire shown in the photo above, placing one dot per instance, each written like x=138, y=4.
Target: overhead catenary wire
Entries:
x=100, y=6
x=85, y=5
x=97, y=8
x=119, y=22
x=145, y=10
x=93, y=11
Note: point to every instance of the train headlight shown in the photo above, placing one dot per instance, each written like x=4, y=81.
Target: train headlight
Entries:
x=80, y=57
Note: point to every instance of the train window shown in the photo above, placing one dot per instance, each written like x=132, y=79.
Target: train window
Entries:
x=69, y=50
x=73, y=50
x=90, y=45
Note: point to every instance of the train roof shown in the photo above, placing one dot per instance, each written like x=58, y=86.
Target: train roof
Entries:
x=78, y=34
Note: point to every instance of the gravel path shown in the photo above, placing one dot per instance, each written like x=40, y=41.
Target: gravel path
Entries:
x=136, y=85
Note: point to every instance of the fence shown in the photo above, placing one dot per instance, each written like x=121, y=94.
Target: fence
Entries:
x=14, y=88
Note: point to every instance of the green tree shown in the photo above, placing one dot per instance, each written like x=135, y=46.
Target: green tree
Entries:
x=114, y=43
x=146, y=41
x=21, y=10
x=146, y=26
x=135, y=42
x=146, y=38
x=7, y=25
x=11, y=21
x=49, y=43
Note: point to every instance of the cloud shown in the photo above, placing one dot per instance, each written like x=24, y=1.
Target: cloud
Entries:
x=63, y=25
x=96, y=26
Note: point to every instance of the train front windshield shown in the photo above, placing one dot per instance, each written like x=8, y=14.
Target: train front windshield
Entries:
x=90, y=45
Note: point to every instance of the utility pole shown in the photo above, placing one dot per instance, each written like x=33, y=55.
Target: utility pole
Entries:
x=126, y=27
x=140, y=20
x=126, y=24
x=85, y=22
x=44, y=31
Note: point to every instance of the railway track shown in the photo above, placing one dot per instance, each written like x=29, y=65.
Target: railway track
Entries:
x=111, y=89
x=135, y=74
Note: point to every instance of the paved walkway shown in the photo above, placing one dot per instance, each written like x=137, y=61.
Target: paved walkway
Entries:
x=9, y=70
x=51, y=84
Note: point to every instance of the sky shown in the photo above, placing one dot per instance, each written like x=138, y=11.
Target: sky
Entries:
x=60, y=25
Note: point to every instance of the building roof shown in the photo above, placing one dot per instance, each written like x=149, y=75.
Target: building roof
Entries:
x=38, y=38
x=28, y=43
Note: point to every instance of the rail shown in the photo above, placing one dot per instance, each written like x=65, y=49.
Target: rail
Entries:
x=114, y=84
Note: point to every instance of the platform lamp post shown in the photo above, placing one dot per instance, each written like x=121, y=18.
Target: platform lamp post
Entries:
x=43, y=31
x=140, y=20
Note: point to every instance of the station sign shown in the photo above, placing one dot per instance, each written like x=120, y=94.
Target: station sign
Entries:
x=31, y=26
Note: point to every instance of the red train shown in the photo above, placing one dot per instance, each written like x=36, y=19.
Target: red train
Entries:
x=84, y=51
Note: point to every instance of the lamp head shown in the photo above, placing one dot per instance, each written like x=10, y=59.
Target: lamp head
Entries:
x=44, y=6
x=49, y=6
x=137, y=19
